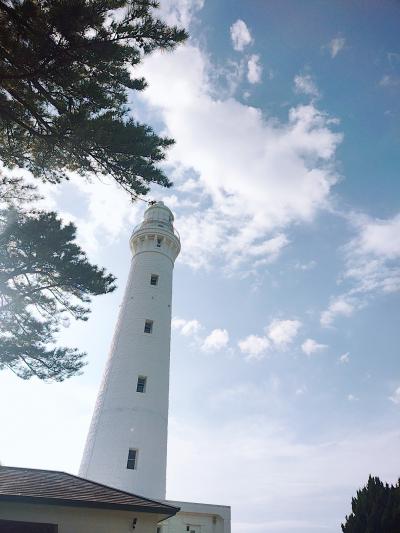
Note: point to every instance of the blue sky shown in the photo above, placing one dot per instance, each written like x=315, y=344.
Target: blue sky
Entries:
x=285, y=374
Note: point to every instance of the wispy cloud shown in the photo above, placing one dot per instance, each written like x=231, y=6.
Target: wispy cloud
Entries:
x=389, y=81
x=289, y=166
x=309, y=265
x=254, y=69
x=240, y=35
x=352, y=398
x=395, y=398
x=279, y=335
x=372, y=257
x=372, y=265
x=336, y=45
x=380, y=237
x=344, y=358
x=283, y=332
x=311, y=346
x=187, y=328
x=179, y=12
x=305, y=84
x=216, y=340
x=339, y=306
x=254, y=347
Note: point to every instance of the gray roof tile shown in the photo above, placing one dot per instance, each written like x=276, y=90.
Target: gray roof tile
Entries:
x=60, y=488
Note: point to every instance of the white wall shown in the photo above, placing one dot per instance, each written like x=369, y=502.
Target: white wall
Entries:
x=200, y=517
x=80, y=520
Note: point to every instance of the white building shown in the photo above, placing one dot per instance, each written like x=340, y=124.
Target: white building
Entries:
x=46, y=501
x=126, y=446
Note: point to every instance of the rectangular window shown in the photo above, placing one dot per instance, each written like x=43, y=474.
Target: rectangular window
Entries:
x=132, y=459
x=159, y=241
x=148, y=326
x=13, y=526
x=154, y=279
x=141, y=384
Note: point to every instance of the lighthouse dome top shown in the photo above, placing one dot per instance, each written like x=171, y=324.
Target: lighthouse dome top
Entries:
x=158, y=228
x=158, y=212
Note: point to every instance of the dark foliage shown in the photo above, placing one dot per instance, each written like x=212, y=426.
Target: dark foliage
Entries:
x=64, y=74
x=375, y=509
x=44, y=278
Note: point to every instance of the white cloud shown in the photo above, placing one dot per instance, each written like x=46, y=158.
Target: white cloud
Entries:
x=240, y=35
x=179, y=12
x=344, y=358
x=254, y=347
x=256, y=176
x=352, y=398
x=396, y=396
x=336, y=45
x=371, y=264
x=216, y=340
x=311, y=346
x=188, y=328
x=254, y=69
x=283, y=332
x=338, y=307
x=380, y=237
x=372, y=257
x=305, y=84
x=279, y=333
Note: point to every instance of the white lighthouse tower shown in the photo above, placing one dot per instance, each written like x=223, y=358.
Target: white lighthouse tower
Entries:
x=127, y=442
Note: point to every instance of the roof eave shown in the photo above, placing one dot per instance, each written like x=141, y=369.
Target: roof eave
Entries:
x=170, y=510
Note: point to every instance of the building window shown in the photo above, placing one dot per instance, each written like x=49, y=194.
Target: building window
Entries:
x=132, y=459
x=159, y=241
x=159, y=529
x=148, y=326
x=141, y=384
x=154, y=279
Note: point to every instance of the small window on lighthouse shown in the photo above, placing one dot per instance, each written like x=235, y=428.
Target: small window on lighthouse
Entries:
x=154, y=279
x=148, y=326
x=159, y=241
x=132, y=459
x=141, y=384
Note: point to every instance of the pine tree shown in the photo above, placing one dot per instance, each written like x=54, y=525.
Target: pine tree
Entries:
x=45, y=278
x=375, y=509
x=65, y=69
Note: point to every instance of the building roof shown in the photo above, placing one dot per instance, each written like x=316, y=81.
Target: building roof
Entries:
x=59, y=488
